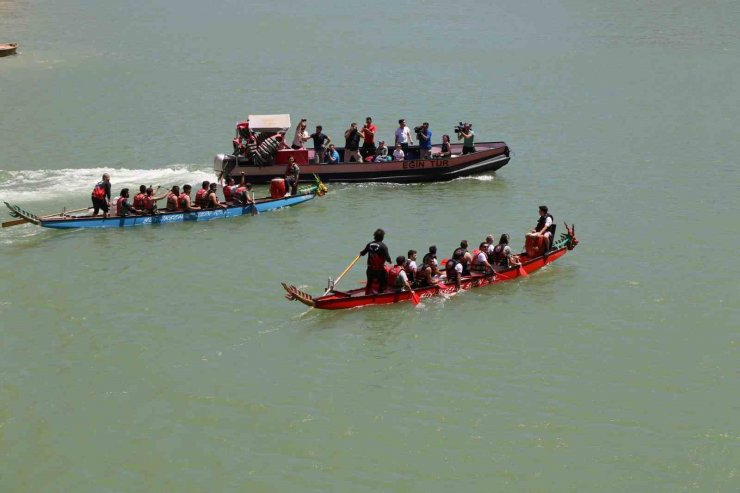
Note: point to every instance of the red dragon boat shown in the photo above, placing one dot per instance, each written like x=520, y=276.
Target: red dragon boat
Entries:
x=334, y=299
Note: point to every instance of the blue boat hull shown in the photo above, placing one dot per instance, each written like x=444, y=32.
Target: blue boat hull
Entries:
x=173, y=217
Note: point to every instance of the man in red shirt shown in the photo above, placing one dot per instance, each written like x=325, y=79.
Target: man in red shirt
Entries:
x=368, y=134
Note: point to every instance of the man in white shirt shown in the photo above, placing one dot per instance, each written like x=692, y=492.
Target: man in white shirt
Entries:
x=403, y=135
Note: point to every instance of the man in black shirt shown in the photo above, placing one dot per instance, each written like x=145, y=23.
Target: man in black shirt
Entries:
x=352, y=144
x=377, y=256
x=320, y=142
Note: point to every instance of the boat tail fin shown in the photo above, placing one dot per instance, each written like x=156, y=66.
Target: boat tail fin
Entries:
x=296, y=294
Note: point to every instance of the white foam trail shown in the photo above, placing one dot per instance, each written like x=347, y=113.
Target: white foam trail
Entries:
x=41, y=185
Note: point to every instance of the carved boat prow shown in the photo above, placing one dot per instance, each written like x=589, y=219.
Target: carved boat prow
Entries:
x=296, y=294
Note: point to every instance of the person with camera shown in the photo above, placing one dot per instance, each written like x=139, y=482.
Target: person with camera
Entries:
x=368, y=135
x=425, y=140
x=403, y=135
x=352, y=144
x=465, y=133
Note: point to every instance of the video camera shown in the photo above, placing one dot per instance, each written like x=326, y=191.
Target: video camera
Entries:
x=462, y=126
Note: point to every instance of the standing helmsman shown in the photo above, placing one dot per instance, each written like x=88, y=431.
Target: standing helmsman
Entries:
x=101, y=196
x=377, y=256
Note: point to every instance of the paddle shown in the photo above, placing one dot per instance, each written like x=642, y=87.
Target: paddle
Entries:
x=522, y=272
x=339, y=278
x=415, y=298
x=8, y=224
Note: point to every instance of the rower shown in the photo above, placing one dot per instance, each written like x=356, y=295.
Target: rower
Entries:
x=200, y=195
x=501, y=257
x=425, y=272
x=431, y=260
x=123, y=208
x=466, y=258
x=397, y=278
x=173, y=199
x=211, y=200
x=227, y=189
x=454, y=268
x=150, y=201
x=183, y=201
x=409, y=265
x=240, y=193
x=377, y=256
x=101, y=196
x=545, y=226
x=139, y=198
x=480, y=260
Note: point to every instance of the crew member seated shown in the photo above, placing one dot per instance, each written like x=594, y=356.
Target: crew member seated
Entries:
x=480, y=263
x=545, y=227
x=173, y=199
x=123, y=208
x=211, y=200
x=425, y=273
x=454, y=268
x=397, y=278
x=501, y=257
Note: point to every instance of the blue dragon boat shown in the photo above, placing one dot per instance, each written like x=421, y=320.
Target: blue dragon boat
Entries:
x=69, y=221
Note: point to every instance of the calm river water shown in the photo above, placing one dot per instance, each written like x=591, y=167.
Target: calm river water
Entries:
x=166, y=359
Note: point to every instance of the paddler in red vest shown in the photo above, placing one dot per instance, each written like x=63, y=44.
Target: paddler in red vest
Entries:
x=101, y=196
x=480, y=263
x=200, y=195
x=227, y=189
x=377, y=256
x=501, y=257
x=397, y=277
x=173, y=199
x=184, y=200
x=240, y=193
x=211, y=201
x=139, y=198
x=150, y=201
x=123, y=208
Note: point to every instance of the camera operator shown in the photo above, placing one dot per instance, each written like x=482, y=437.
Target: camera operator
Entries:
x=466, y=134
x=425, y=140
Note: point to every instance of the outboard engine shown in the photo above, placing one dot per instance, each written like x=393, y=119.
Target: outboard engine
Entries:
x=223, y=164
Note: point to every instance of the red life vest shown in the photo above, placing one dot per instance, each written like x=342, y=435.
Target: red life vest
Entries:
x=227, y=193
x=452, y=274
x=182, y=201
x=375, y=261
x=147, y=203
x=99, y=191
x=393, y=277
x=200, y=197
x=172, y=202
x=120, y=210
x=410, y=273
x=139, y=200
x=498, y=256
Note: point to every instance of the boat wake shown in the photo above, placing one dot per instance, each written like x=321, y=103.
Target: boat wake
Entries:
x=41, y=185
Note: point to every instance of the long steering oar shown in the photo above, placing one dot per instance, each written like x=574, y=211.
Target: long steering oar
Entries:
x=339, y=278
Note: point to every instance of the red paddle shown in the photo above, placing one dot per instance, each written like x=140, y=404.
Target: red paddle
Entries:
x=415, y=298
x=522, y=272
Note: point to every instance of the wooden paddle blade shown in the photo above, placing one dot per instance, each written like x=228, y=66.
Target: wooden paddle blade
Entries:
x=8, y=224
